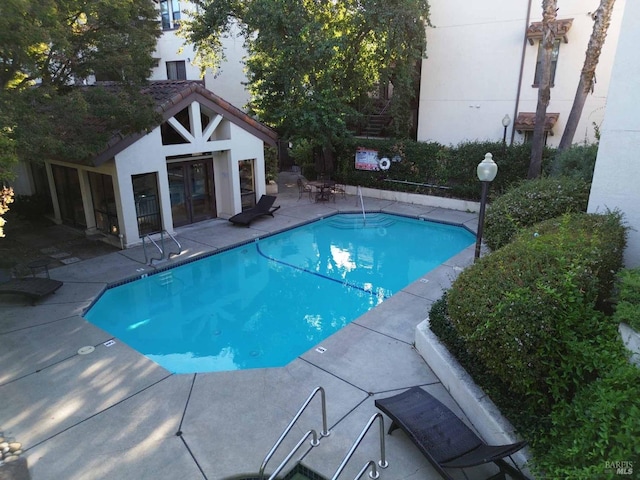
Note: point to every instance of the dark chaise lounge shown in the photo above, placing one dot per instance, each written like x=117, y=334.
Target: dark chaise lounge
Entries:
x=34, y=288
x=442, y=437
x=263, y=207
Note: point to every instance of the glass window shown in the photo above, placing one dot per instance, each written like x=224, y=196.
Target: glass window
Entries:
x=145, y=193
x=170, y=135
x=528, y=137
x=170, y=13
x=69, y=195
x=104, y=203
x=176, y=70
x=554, y=62
x=247, y=183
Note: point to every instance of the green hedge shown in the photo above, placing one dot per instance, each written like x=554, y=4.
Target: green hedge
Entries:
x=527, y=310
x=441, y=325
x=577, y=162
x=600, y=426
x=431, y=165
x=523, y=322
x=628, y=298
x=530, y=202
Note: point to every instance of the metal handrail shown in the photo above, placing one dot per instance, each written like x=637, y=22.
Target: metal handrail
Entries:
x=160, y=247
x=373, y=473
x=314, y=442
x=364, y=216
x=427, y=185
x=385, y=108
x=148, y=260
x=174, y=241
x=382, y=462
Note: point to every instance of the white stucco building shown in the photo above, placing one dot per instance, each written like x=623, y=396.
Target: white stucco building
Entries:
x=616, y=180
x=205, y=160
x=175, y=59
x=481, y=66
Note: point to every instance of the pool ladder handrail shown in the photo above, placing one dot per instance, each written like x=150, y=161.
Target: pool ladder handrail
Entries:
x=371, y=463
x=315, y=441
x=359, y=195
x=161, y=247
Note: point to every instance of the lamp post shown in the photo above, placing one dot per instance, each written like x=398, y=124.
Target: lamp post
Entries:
x=487, y=171
x=505, y=123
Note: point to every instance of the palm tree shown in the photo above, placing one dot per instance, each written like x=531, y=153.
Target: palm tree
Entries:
x=602, y=19
x=549, y=30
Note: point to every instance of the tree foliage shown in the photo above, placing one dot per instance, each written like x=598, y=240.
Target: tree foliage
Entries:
x=59, y=42
x=313, y=64
x=47, y=50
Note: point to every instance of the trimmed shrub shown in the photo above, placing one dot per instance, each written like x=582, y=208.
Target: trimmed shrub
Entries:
x=424, y=167
x=575, y=162
x=628, y=298
x=600, y=426
x=530, y=202
x=527, y=310
x=441, y=325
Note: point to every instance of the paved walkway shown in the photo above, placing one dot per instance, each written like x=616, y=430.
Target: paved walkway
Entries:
x=114, y=414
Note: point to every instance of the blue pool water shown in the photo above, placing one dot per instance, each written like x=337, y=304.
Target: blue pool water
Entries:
x=264, y=303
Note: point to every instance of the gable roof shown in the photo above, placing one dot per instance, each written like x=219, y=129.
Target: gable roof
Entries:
x=172, y=96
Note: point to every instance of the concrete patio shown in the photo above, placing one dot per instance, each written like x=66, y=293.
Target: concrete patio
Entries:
x=114, y=414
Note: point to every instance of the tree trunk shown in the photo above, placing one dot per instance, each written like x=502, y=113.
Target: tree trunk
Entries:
x=549, y=28
x=602, y=19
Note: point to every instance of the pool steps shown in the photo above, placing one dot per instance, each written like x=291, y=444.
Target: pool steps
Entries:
x=354, y=221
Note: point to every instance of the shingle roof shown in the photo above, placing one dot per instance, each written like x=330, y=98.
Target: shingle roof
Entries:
x=526, y=121
x=170, y=97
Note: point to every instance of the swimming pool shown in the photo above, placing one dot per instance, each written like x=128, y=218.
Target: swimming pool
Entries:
x=264, y=303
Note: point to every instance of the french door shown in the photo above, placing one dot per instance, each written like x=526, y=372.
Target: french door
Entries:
x=191, y=187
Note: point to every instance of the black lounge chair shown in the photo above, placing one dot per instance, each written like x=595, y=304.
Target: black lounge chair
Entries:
x=263, y=207
x=34, y=288
x=442, y=437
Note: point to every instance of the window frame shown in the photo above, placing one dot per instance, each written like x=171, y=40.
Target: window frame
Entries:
x=176, y=70
x=104, y=203
x=555, y=53
x=147, y=201
x=170, y=14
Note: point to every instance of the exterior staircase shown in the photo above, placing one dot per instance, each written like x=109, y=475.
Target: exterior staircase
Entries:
x=374, y=124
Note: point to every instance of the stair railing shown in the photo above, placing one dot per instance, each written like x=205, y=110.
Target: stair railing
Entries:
x=315, y=441
x=371, y=463
x=385, y=108
x=164, y=255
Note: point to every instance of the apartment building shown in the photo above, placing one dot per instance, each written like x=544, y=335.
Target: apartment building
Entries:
x=483, y=67
x=175, y=59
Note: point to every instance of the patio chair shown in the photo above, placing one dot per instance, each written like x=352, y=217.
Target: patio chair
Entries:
x=444, y=439
x=304, y=188
x=262, y=208
x=34, y=287
x=339, y=189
